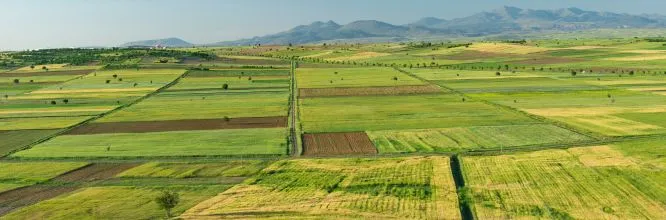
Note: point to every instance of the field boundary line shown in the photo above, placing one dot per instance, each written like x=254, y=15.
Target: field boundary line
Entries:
x=93, y=118
x=294, y=136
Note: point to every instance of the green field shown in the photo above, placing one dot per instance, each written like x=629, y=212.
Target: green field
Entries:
x=164, y=144
x=39, y=123
x=352, y=77
x=401, y=112
x=202, y=105
x=552, y=127
x=16, y=139
x=578, y=183
x=471, y=138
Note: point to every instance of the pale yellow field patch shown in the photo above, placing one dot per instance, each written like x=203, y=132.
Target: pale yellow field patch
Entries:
x=624, y=82
x=318, y=55
x=660, y=93
x=592, y=111
x=587, y=47
x=611, y=125
x=506, y=48
x=645, y=57
x=360, y=56
x=39, y=67
x=91, y=90
x=649, y=89
x=600, y=156
x=646, y=51
x=29, y=111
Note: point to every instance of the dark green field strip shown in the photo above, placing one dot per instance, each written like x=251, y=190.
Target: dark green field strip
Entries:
x=13, y=141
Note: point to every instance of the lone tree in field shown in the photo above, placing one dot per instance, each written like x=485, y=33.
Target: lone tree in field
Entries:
x=395, y=78
x=32, y=67
x=574, y=73
x=65, y=101
x=225, y=86
x=498, y=74
x=16, y=81
x=167, y=201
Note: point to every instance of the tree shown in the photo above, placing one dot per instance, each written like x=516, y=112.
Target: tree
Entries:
x=32, y=67
x=53, y=102
x=167, y=201
x=573, y=73
x=395, y=78
x=108, y=81
x=631, y=73
x=43, y=67
x=65, y=101
x=498, y=74
x=16, y=81
x=115, y=76
x=225, y=86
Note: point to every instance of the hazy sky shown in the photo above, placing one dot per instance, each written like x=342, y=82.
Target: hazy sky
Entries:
x=64, y=23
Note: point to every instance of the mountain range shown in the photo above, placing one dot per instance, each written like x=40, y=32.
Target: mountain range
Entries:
x=505, y=20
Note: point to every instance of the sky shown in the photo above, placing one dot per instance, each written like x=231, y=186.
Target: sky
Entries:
x=33, y=24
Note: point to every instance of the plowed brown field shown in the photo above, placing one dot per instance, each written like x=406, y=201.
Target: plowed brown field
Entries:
x=332, y=144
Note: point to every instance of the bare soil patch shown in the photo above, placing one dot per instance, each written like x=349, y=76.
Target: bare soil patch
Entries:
x=368, y=91
x=332, y=144
x=48, y=73
x=179, y=125
x=92, y=172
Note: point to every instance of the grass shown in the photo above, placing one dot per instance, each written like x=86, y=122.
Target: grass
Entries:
x=164, y=144
x=14, y=140
x=39, y=123
x=124, y=81
x=404, y=112
x=114, y=202
x=450, y=74
x=515, y=84
x=471, y=138
x=234, y=83
x=416, y=187
x=578, y=183
x=34, y=172
x=180, y=105
x=194, y=169
x=352, y=77
x=238, y=72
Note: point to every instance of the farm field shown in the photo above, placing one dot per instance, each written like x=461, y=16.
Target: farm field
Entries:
x=471, y=138
x=267, y=141
x=340, y=114
x=204, y=105
x=352, y=77
x=415, y=187
x=609, y=181
x=129, y=192
x=568, y=129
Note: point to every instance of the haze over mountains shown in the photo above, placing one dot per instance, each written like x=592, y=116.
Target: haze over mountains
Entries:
x=500, y=21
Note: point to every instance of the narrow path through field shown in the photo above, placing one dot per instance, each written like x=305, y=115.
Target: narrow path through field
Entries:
x=293, y=113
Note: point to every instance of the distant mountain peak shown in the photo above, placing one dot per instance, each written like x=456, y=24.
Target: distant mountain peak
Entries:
x=165, y=42
x=503, y=20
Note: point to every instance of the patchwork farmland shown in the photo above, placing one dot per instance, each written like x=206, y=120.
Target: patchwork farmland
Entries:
x=477, y=130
